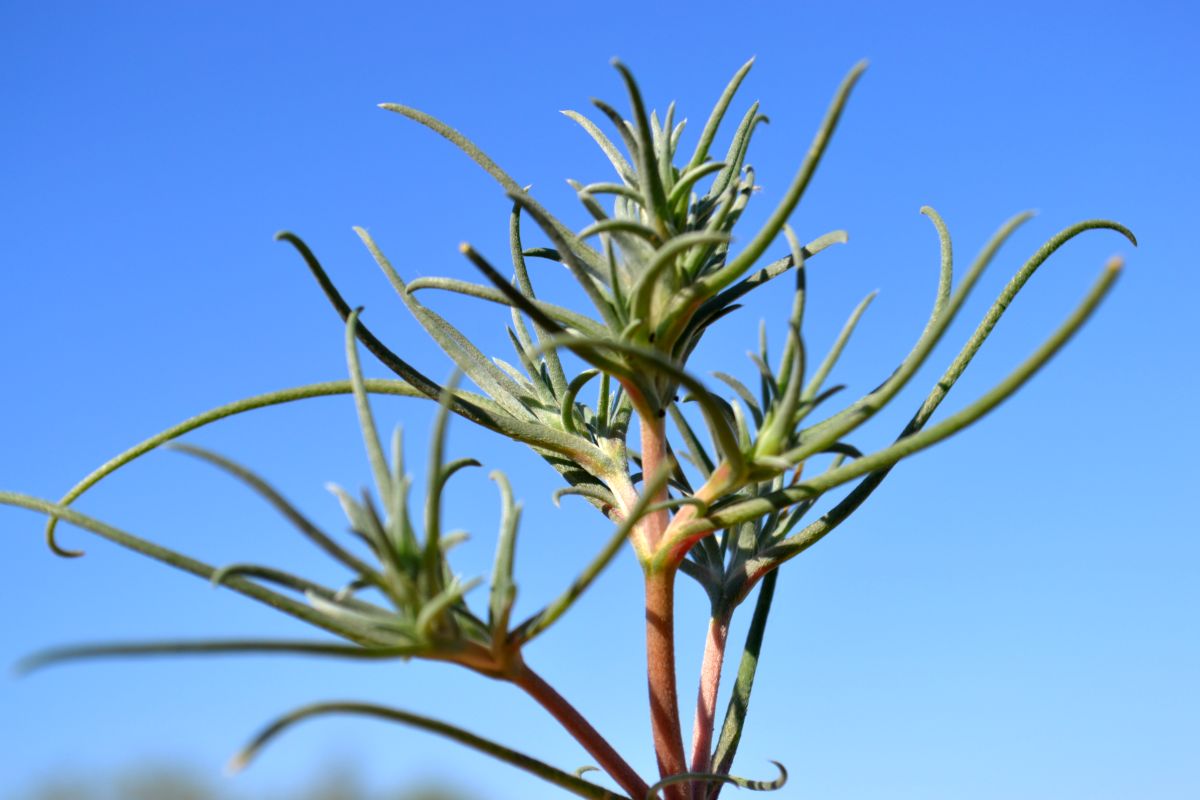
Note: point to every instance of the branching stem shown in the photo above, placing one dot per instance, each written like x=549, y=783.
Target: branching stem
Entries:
x=706, y=696
x=575, y=724
x=654, y=458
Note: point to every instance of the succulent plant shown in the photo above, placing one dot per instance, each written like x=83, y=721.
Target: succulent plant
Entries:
x=720, y=483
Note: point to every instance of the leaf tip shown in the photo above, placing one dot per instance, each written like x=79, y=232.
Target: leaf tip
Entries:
x=25, y=665
x=59, y=550
x=236, y=764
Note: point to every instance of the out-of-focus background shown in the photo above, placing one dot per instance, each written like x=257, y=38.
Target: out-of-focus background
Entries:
x=1013, y=615
x=167, y=782
x=175, y=782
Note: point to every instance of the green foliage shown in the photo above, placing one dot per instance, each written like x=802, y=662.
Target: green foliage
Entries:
x=660, y=270
x=167, y=782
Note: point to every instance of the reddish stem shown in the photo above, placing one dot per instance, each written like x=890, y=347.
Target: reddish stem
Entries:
x=654, y=458
x=706, y=696
x=596, y=745
x=660, y=672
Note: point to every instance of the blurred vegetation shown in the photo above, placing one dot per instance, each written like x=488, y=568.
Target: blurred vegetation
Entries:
x=179, y=783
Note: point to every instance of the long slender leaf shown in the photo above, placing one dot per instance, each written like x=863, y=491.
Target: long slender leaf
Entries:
x=548, y=313
x=835, y=352
x=461, y=350
x=718, y=113
x=837, y=426
x=718, y=280
x=649, y=177
x=553, y=775
x=571, y=260
x=739, y=699
x=889, y=455
x=284, y=507
x=946, y=272
x=558, y=380
x=59, y=655
x=504, y=589
x=366, y=420
x=273, y=575
x=481, y=413
x=610, y=150
x=503, y=178
x=280, y=397
x=727, y=177
x=775, y=269
x=179, y=561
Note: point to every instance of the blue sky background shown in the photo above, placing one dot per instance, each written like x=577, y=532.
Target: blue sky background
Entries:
x=1014, y=614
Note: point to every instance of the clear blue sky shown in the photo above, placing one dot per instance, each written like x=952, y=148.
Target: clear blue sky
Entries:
x=1013, y=615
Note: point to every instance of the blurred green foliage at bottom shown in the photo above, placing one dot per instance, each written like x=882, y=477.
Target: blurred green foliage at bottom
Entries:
x=178, y=783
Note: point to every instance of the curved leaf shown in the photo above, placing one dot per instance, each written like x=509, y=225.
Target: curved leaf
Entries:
x=563, y=780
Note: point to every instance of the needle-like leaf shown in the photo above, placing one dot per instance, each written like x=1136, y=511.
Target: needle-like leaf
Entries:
x=718, y=113
x=557, y=777
x=177, y=560
x=280, y=397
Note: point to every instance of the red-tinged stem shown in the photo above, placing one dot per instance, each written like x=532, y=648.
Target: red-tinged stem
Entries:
x=660, y=618
x=660, y=671
x=706, y=696
x=596, y=745
x=654, y=458
x=675, y=547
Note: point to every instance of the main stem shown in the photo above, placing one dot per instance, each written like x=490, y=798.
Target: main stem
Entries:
x=706, y=696
x=660, y=616
x=660, y=673
x=596, y=745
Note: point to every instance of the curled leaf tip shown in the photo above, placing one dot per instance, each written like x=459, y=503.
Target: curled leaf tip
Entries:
x=55, y=547
x=741, y=783
x=1121, y=229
